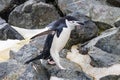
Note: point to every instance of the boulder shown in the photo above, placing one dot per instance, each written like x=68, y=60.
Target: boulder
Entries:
x=30, y=50
x=33, y=14
x=115, y=3
x=4, y=4
x=97, y=10
x=117, y=23
x=111, y=77
x=104, y=49
x=7, y=32
x=18, y=2
x=13, y=70
x=110, y=44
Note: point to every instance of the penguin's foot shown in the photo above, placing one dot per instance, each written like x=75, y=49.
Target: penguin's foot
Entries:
x=50, y=62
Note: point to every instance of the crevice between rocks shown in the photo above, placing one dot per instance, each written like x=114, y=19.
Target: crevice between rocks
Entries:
x=4, y=14
x=55, y=4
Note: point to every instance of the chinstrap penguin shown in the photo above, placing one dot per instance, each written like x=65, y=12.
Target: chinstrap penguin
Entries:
x=59, y=35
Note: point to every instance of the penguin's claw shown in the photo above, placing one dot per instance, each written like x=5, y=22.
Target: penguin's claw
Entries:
x=50, y=62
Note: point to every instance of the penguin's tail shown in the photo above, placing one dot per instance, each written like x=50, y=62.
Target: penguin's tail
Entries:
x=36, y=58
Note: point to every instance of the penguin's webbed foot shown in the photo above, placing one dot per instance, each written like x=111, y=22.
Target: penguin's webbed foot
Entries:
x=51, y=62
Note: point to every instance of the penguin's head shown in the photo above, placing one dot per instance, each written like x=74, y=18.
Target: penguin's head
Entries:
x=72, y=22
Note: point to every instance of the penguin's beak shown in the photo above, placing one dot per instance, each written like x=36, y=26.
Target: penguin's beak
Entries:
x=45, y=31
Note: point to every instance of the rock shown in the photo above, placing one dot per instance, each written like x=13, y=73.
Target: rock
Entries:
x=4, y=4
x=117, y=23
x=33, y=14
x=69, y=75
x=10, y=70
x=75, y=5
x=110, y=44
x=7, y=32
x=103, y=26
x=5, y=8
x=18, y=2
x=34, y=72
x=3, y=69
x=111, y=77
x=13, y=70
x=95, y=9
x=115, y=3
x=30, y=50
x=104, y=49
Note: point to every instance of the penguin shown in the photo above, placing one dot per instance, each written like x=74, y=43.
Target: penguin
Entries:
x=60, y=33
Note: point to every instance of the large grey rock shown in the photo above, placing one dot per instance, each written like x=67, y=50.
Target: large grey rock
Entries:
x=7, y=32
x=96, y=9
x=29, y=51
x=18, y=2
x=33, y=14
x=34, y=72
x=111, y=77
x=10, y=70
x=13, y=70
x=117, y=23
x=104, y=49
x=115, y=3
x=110, y=44
x=4, y=4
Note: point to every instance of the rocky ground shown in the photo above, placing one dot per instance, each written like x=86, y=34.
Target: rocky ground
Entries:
x=96, y=51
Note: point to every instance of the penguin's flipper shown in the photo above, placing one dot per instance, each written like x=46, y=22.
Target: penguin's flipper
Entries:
x=43, y=33
x=59, y=32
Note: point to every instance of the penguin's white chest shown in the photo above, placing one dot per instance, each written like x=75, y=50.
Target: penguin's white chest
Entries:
x=59, y=42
